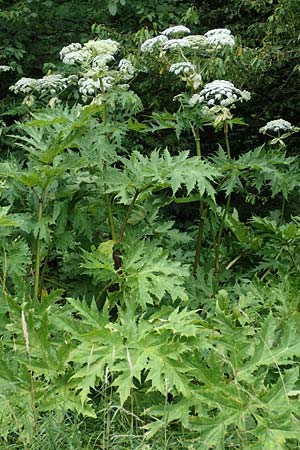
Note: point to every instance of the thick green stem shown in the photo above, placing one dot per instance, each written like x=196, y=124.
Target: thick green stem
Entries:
x=121, y=237
x=110, y=217
x=38, y=249
x=227, y=139
x=225, y=212
x=202, y=210
x=203, y=213
x=219, y=238
x=197, y=140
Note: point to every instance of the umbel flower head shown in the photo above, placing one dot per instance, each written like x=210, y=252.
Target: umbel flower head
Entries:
x=49, y=84
x=89, y=52
x=24, y=86
x=153, y=43
x=175, y=44
x=219, y=37
x=126, y=69
x=177, y=29
x=182, y=68
x=276, y=126
x=4, y=68
x=219, y=92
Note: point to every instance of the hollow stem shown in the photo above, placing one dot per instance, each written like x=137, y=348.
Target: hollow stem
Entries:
x=219, y=238
x=202, y=210
x=195, y=132
x=227, y=139
x=203, y=214
x=124, y=224
x=110, y=217
x=225, y=212
x=38, y=248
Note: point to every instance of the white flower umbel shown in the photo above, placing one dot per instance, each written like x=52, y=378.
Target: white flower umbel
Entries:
x=78, y=56
x=153, y=43
x=276, y=126
x=24, y=86
x=51, y=84
x=175, y=44
x=76, y=53
x=100, y=61
x=74, y=47
x=182, y=68
x=102, y=46
x=220, y=92
x=126, y=69
x=4, y=68
x=88, y=86
x=196, y=41
x=177, y=29
x=219, y=37
x=107, y=83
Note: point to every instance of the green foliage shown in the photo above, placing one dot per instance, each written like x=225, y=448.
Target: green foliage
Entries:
x=149, y=248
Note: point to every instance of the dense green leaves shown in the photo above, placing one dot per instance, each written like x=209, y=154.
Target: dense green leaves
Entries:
x=140, y=284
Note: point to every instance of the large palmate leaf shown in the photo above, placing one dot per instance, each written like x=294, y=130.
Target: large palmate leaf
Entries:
x=158, y=171
x=148, y=274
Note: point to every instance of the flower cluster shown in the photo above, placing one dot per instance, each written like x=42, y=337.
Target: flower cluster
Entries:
x=48, y=84
x=100, y=62
x=182, y=68
x=151, y=44
x=51, y=84
x=89, y=52
x=219, y=92
x=88, y=86
x=175, y=44
x=126, y=69
x=162, y=41
x=4, y=68
x=277, y=126
x=24, y=86
x=219, y=37
x=177, y=29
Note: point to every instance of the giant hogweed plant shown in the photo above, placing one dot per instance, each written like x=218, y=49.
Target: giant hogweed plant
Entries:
x=81, y=201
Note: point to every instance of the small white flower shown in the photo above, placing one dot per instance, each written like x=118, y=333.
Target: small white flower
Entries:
x=277, y=125
x=4, y=68
x=175, y=44
x=219, y=92
x=182, y=68
x=126, y=68
x=24, y=86
x=219, y=37
x=150, y=44
x=175, y=30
